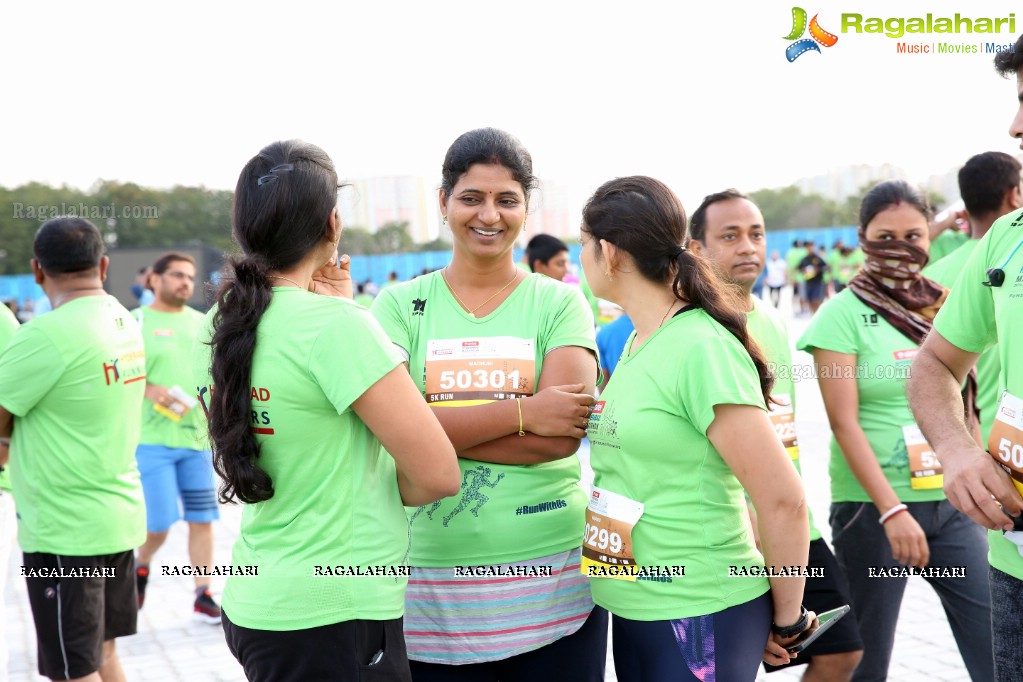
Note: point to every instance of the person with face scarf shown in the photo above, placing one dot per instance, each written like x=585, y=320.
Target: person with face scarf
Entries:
x=889, y=515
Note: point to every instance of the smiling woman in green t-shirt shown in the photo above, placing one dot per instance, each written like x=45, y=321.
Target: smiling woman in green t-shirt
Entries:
x=679, y=432
x=507, y=361
x=301, y=390
x=863, y=341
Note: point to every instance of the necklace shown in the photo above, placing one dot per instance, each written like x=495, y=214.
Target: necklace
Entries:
x=443, y=273
x=666, y=314
x=287, y=280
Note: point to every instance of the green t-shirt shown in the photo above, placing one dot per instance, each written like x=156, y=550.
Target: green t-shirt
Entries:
x=504, y=513
x=168, y=338
x=793, y=257
x=945, y=243
x=976, y=317
x=845, y=324
x=768, y=329
x=336, y=502
x=846, y=267
x=74, y=380
x=989, y=366
x=8, y=323
x=648, y=442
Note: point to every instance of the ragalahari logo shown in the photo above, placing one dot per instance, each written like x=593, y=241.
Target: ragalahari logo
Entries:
x=817, y=35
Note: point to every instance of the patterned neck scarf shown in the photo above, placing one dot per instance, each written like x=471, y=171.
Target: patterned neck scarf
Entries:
x=891, y=284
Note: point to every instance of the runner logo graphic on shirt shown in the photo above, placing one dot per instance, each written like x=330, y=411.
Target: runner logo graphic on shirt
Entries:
x=419, y=306
x=602, y=423
x=472, y=480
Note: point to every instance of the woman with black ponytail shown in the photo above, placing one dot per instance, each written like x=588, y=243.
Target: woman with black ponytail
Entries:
x=678, y=433
x=301, y=388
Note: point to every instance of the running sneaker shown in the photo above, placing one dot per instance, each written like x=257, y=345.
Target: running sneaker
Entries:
x=206, y=610
x=141, y=578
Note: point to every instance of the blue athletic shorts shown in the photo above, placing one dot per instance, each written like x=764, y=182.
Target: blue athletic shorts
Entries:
x=173, y=474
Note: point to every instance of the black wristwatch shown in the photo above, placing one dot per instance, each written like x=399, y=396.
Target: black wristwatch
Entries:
x=795, y=628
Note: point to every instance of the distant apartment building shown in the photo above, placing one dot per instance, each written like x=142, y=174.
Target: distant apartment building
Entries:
x=371, y=203
x=844, y=182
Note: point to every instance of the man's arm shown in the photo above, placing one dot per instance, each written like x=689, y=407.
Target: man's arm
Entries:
x=974, y=483
x=6, y=428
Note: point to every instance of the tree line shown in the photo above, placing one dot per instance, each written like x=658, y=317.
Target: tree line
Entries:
x=129, y=215
x=132, y=216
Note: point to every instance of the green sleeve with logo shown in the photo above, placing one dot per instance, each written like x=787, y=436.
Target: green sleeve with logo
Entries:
x=845, y=324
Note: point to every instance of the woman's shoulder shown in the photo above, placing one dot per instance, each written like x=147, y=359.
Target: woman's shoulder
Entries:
x=842, y=305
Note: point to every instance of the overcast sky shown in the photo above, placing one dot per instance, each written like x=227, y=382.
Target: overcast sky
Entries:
x=697, y=94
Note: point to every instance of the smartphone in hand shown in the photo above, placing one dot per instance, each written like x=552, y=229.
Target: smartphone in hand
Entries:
x=824, y=622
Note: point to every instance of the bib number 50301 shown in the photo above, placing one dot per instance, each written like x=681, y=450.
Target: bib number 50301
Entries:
x=480, y=378
x=1010, y=453
x=1005, y=442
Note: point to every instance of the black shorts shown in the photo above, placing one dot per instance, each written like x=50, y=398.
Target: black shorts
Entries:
x=96, y=601
x=815, y=292
x=823, y=594
x=340, y=651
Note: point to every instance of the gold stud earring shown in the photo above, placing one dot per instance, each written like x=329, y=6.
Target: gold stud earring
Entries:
x=445, y=220
x=609, y=275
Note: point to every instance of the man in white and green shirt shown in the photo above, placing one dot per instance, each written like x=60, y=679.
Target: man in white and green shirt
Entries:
x=175, y=464
x=728, y=228
x=71, y=386
x=984, y=308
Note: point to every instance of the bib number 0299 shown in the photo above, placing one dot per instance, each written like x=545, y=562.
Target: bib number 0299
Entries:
x=600, y=538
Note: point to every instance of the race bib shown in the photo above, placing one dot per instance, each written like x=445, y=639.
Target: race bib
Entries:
x=1005, y=442
x=607, y=545
x=924, y=468
x=784, y=422
x=182, y=405
x=474, y=371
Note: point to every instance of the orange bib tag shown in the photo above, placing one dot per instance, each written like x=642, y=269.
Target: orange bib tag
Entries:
x=463, y=372
x=783, y=420
x=607, y=545
x=182, y=404
x=1005, y=442
x=925, y=471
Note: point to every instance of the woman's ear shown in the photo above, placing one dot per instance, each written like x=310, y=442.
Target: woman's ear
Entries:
x=336, y=226
x=609, y=253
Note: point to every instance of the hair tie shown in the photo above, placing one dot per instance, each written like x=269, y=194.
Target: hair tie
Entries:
x=679, y=250
x=272, y=174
